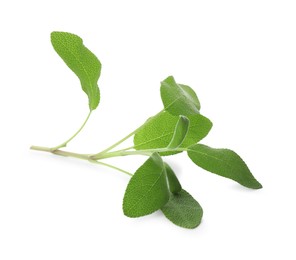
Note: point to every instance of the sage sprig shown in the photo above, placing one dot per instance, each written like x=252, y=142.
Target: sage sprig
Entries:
x=178, y=127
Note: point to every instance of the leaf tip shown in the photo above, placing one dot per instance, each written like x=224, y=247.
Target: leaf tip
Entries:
x=168, y=79
x=55, y=34
x=257, y=185
x=184, y=119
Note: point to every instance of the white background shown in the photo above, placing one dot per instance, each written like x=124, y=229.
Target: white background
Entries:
x=239, y=56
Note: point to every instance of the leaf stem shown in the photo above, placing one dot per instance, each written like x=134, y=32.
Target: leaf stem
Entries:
x=76, y=155
x=119, y=142
x=64, y=144
x=123, y=139
x=95, y=158
x=146, y=152
x=111, y=166
x=60, y=152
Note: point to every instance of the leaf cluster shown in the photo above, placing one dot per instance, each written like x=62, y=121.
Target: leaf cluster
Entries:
x=178, y=127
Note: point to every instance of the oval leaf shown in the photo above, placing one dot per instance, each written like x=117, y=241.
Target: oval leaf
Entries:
x=183, y=210
x=178, y=99
x=147, y=190
x=174, y=183
x=81, y=61
x=223, y=162
x=158, y=131
x=180, y=132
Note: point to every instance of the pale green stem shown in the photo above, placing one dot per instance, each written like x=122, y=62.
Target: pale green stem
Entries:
x=76, y=155
x=64, y=144
x=146, y=152
x=119, y=142
x=105, y=153
x=117, y=151
x=122, y=140
x=60, y=152
x=111, y=166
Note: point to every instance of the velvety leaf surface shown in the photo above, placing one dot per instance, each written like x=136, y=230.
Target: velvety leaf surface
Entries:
x=158, y=131
x=178, y=99
x=147, y=190
x=223, y=162
x=183, y=210
x=81, y=61
x=174, y=183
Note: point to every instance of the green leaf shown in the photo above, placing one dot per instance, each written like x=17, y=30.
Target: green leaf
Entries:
x=147, y=190
x=158, y=131
x=180, y=132
x=178, y=99
x=223, y=162
x=174, y=183
x=183, y=210
x=81, y=61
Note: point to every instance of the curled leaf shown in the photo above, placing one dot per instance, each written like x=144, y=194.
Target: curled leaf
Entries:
x=174, y=183
x=159, y=130
x=180, y=132
x=178, y=99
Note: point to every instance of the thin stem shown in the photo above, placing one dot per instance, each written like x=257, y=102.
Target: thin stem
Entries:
x=60, y=152
x=126, y=149
x=64, y=144
x=119, y=142
x=146, y=152
x=105, y=153
x=123, y=139
x=41, y=148
x=111, y=166
x=94, y=158
x=76, y=155
x=117, y=151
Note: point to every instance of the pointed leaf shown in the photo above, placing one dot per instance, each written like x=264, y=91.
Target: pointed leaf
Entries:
x=180, y=132
x=183, y=210
x=174, y=183
x=158, y=131
x=147, y=190
x=178, y=99
x=223, y=162
x=81, y=61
